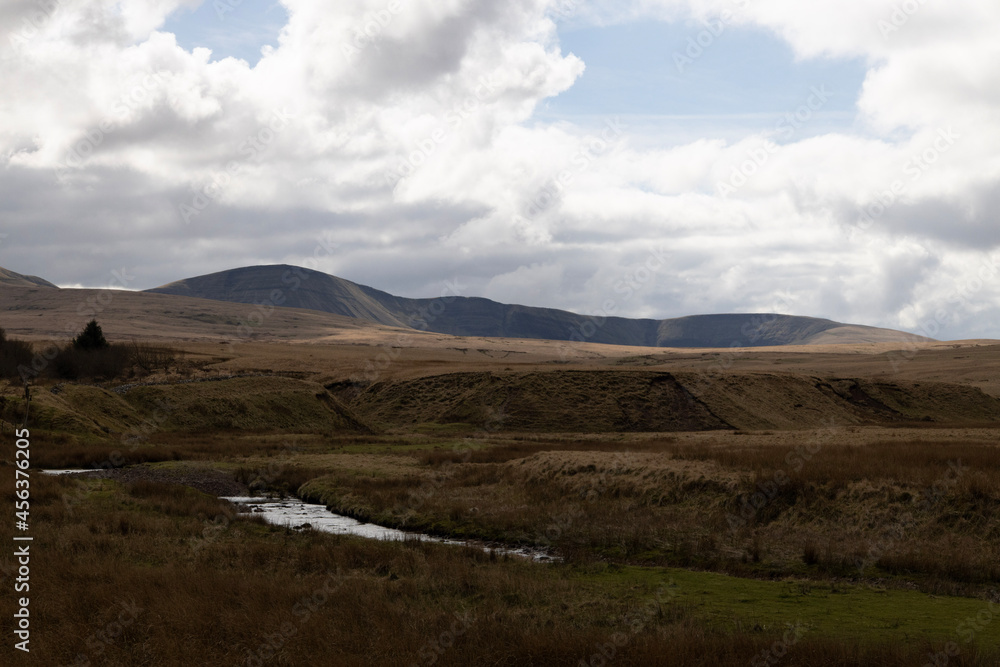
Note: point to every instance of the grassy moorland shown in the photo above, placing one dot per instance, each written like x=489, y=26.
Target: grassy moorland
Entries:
x=923, y=510
x=149, y=573
x=872, y=540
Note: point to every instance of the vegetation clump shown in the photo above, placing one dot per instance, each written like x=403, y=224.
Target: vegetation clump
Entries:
x=13, y=353
x=88, y=356
x=91, y=338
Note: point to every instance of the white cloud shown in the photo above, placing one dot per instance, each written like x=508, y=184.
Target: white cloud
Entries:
x=111, y=127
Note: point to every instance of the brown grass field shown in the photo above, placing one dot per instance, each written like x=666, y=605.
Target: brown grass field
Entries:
x=821, y=505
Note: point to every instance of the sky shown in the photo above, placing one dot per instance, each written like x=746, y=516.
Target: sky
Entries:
x=646, y=158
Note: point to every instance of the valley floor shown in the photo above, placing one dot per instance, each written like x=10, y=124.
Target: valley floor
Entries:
x=869, y=539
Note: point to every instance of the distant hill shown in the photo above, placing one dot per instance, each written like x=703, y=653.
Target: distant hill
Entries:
x=17, y=280
x=294, y=287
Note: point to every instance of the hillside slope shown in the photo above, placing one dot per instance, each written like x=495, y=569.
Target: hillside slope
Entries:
x=289, y=287
x=640, y=401
x=47, y=314
x=9, y=278
x=251, y=404
x=295, y=287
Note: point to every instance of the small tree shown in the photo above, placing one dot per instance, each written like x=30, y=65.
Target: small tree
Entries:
x=91, y=338
x=14, y=354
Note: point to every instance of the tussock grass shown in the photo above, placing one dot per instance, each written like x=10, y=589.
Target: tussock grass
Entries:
x=833, y=461
x=484, y=451
x=926, y=510
x=611, y=401
x=153, y=574
x=72, y=451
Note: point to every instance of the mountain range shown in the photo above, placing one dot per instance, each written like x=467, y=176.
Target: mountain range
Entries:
x=295, y=287
x=284, y=286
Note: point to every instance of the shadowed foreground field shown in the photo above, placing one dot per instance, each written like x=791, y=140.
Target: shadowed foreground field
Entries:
x=696, y=520
x=151, y=573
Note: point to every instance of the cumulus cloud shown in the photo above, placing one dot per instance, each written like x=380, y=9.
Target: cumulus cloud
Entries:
x=396, y=144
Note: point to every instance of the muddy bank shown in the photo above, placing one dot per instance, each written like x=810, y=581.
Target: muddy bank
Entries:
x=658, y=402
x=204, y=479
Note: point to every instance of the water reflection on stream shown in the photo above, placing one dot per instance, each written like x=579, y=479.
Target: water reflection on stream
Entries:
x=298, y=514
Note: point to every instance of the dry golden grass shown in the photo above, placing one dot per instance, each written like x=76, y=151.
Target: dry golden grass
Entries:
x=924, y=510
x=213, y=587
x=328, y=348
x=155, y=574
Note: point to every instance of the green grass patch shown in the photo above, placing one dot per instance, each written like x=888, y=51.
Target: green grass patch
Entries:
x=832, y=610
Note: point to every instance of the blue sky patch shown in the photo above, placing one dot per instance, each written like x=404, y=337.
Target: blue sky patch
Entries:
x=679, y=71
x=230, y=28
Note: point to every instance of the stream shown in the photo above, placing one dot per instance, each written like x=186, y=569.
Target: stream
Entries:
x=300, y=515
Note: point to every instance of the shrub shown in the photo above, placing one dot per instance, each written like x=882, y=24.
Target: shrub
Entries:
x=73, y=362
x=92, y=356
x=91, y=338
x=13, y=353
x=148, y=358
